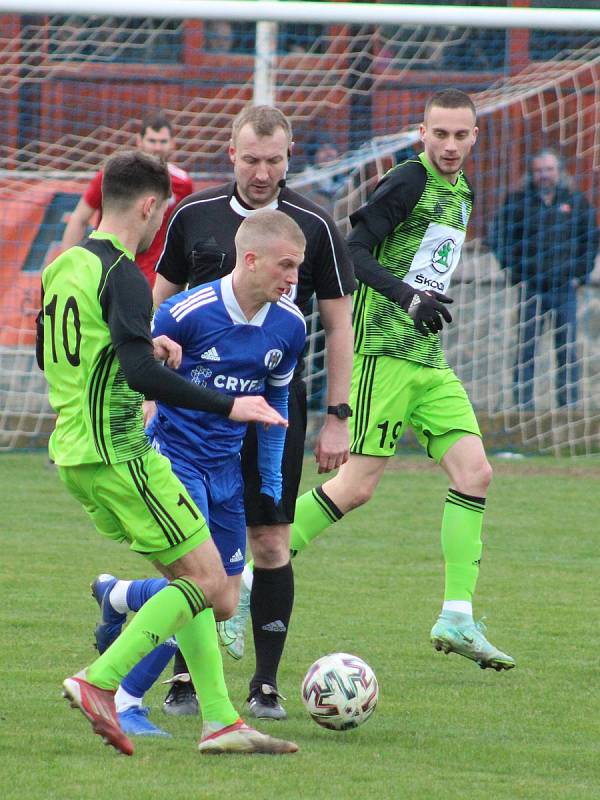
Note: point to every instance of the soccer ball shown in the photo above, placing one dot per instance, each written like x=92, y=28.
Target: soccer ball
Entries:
x=340, y=691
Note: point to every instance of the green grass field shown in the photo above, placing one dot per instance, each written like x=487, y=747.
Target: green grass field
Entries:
x=443, y=728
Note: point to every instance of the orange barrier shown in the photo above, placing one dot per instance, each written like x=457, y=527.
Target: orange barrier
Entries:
x=33, y=215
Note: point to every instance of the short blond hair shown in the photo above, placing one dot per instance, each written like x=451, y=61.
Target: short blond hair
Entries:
x=264, y=121
x=267, y=224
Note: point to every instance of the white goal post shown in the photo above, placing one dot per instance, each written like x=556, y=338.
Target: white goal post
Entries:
x=76, y=76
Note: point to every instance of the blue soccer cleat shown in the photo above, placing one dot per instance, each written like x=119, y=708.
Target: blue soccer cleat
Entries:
x=134, y=721
x=112, y=621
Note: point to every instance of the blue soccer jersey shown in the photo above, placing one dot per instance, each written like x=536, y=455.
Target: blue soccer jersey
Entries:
x=223, y=350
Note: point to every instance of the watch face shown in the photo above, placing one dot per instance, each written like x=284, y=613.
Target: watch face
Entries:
x=342, y=411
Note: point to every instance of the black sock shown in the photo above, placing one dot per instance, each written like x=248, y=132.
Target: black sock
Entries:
x=271, y=602
x=179, y=664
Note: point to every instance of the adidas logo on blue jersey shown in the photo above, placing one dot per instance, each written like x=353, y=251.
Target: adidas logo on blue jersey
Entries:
x=211, y=355
x=236, y=557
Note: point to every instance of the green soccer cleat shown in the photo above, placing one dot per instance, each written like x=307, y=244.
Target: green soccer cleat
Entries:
x=457, y=633
x=232, y=631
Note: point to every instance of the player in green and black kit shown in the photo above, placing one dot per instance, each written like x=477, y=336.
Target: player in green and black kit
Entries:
x=95, y=347
x=406, y=243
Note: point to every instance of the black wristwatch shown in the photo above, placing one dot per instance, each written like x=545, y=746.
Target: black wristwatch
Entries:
x=341, y=411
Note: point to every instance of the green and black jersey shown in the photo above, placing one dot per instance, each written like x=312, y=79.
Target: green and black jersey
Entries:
x=88, y=314
x=420, y=221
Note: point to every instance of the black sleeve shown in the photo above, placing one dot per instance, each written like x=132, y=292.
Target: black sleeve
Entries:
x=126, y=302
x=39, y=339
x=334, y=276
x=587, y=238
x=127, y=305
x=392, y=201
x=39, y=332
x=172, y=263
x=146, y=375
x=368, y=270
x=395, y=196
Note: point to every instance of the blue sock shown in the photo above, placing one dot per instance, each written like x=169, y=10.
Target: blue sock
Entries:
x=140, y=591
x=148, y=670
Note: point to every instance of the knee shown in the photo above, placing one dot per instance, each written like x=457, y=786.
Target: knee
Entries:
x=349, y=494
x=476, y=481
x=359, y=495
x=224, y=608
x=214, y=588
x=270, y=545
x=228, y=602
x=486, y=473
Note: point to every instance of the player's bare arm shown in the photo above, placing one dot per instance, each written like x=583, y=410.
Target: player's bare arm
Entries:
x=332, y=446
x=77, y=224
x=163, y=289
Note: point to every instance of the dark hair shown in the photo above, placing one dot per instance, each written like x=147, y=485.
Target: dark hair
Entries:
x=450, y=98
x=264, y=121
x=156, y=121
x=131, y=174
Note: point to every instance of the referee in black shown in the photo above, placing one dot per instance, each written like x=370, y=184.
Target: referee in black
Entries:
x=200, y=247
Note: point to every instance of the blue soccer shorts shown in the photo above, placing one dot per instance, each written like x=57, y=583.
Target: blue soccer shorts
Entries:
x=218, y=492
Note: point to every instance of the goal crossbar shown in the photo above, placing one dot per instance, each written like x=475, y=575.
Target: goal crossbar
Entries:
x=323, y=13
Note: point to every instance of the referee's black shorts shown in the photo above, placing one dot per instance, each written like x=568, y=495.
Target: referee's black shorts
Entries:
x=291, y=466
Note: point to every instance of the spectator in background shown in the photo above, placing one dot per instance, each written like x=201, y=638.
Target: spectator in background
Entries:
x=324, y=188
x=219, y=36
x=546, y=236
x=155, y=138
x=298, y=38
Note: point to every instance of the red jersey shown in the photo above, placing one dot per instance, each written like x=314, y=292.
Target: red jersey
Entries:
x=181, y=186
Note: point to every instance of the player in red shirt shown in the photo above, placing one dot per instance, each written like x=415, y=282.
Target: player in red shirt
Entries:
x=155, y=138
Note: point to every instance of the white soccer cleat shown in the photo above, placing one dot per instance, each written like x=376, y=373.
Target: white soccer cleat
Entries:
x=232, y=632
x=241, y=738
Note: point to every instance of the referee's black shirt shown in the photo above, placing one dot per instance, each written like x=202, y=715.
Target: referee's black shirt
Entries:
x=200, y=244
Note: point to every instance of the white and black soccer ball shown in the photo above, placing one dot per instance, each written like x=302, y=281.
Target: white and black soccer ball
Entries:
x=340, y=691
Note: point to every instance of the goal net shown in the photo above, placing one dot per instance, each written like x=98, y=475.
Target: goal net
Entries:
x=75, y=87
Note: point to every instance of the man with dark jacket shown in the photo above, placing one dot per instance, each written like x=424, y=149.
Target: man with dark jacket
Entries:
x=547, y=237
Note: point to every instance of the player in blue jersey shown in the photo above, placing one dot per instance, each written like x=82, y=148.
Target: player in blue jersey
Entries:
x=241, y=335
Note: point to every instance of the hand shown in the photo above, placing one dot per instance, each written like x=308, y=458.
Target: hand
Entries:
x=256, y=409
x=425, y=308
x=149, y=410
x=167, y=350
x=332, y=447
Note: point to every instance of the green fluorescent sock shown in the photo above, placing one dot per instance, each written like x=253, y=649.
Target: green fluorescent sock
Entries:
x=315, y=512
x=200, y=647
x=162, y=616
x=461, y=543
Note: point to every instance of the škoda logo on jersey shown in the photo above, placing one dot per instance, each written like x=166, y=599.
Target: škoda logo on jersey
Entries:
x=441, y=259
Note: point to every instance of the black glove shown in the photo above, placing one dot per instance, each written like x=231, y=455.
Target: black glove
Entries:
x=272, y=512
x=425, y=308
x=39, y=340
